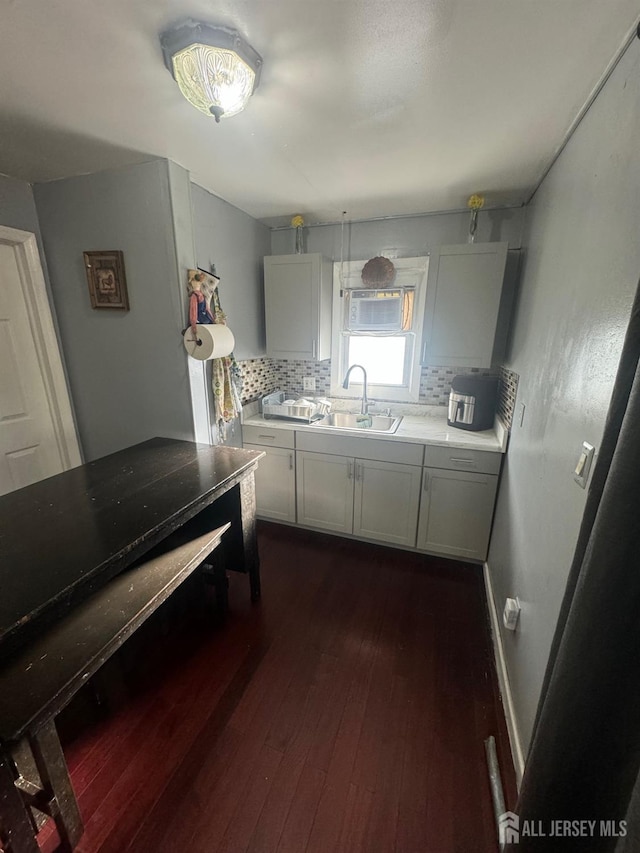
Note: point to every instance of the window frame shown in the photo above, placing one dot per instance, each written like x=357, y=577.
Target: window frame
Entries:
x=409, y=271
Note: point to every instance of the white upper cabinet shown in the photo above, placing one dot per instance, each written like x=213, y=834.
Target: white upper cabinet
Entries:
x=463, y=300
x=297, y=292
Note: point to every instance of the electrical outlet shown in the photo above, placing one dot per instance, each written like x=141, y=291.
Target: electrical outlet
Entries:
x=309, y=383
x=511, y=613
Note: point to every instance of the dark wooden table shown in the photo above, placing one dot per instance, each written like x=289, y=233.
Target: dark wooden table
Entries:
x=85, y=558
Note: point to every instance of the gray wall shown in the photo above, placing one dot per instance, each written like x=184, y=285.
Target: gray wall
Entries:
x=581, y=266
x=127, y=370
x=236, y=244
x=18, y=210
x=17, y=207
x=407, y=237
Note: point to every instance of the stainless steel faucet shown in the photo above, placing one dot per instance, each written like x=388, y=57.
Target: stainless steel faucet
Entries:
x=364, y=408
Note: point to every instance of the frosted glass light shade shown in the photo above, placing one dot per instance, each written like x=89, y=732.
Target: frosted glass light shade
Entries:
x=213, y=77
x=215, y=68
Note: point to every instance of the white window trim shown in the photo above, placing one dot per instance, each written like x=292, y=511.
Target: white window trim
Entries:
x=392, y=393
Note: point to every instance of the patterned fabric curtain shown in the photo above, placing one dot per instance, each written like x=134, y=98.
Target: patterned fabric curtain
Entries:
x=226, y=381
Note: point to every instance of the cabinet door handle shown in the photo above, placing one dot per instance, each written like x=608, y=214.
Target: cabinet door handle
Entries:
x=459, y=461
x=349, y=470
x=424, y=352
x=314, y=348
x=425, y=482
x=270, y=437
x=360, y=470
x=291, y=461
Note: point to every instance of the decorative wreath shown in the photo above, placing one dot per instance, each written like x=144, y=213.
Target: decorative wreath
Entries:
x=378, y=272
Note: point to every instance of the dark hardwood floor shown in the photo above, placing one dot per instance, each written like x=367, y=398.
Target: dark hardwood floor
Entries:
x=346, y=712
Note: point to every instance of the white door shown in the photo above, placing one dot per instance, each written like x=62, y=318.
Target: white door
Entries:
x=275, y=483
x=386, y=501
x=324, y=485
x=37, y=435
x=456, y=512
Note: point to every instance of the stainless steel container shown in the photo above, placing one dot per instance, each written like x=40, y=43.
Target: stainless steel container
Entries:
x=461, y=408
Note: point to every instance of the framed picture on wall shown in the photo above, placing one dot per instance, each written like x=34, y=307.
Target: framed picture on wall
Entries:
x=106, y=279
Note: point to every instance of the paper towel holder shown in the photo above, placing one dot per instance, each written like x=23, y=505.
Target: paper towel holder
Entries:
x=209, y=340
x=198, y=341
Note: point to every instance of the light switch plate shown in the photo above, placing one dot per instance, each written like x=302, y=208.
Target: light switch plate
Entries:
x=583, y=465
x=308, y=383
x=521, y=411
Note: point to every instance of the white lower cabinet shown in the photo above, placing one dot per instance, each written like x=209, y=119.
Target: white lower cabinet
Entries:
x=325, y=491
x=275, y=483
x=434, y=498
x=456, y=511
x=374, y=500
x=386, y=500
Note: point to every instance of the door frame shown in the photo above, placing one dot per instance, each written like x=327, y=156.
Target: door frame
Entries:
x=46, y=342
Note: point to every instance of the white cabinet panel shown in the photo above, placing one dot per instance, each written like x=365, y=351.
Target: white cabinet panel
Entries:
x=363, y=447
x=463, y=300
x=275, y=483
x=325, y=491
x=268, y=436
x=374, y=500
x=456, y=459
x=297, y=292
x=386, y=501
x=456, y=512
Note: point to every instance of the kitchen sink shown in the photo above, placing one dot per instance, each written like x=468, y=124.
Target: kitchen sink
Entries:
x=370, y=423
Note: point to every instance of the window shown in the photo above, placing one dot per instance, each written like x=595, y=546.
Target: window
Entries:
x=390, y=357
x=382, y=358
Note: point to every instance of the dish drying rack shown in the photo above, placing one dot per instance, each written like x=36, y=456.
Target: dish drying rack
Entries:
x=292, y=408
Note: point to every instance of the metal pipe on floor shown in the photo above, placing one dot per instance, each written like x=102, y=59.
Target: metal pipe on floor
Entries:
x=497, y=793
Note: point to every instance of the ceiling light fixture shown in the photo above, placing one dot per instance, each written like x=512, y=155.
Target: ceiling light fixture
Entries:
x=215, y=68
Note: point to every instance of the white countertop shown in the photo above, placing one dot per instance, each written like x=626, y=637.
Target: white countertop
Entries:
x=428, y=428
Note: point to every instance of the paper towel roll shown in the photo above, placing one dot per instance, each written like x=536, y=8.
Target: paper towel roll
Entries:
x=216, y=341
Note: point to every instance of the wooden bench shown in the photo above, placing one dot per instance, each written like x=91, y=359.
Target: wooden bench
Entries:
x=40, y=679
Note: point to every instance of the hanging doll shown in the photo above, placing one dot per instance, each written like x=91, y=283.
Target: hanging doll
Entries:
x=202, y=285
x=205, y=308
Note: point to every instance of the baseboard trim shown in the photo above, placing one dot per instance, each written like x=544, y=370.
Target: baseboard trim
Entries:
x=503, y=679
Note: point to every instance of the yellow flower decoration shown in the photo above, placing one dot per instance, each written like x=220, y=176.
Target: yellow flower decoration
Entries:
x=475, y=201
x=297, y=221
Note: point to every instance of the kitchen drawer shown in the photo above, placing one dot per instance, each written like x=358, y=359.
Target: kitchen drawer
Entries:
x=455, y=459
x=268, y=437
x=377, y=450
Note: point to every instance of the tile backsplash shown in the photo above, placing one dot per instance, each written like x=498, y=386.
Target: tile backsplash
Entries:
x=260, y=376
x=291, y=374
x=435, y=382
x=507, y=394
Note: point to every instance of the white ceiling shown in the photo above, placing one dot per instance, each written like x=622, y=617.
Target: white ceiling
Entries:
x=377, y=107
